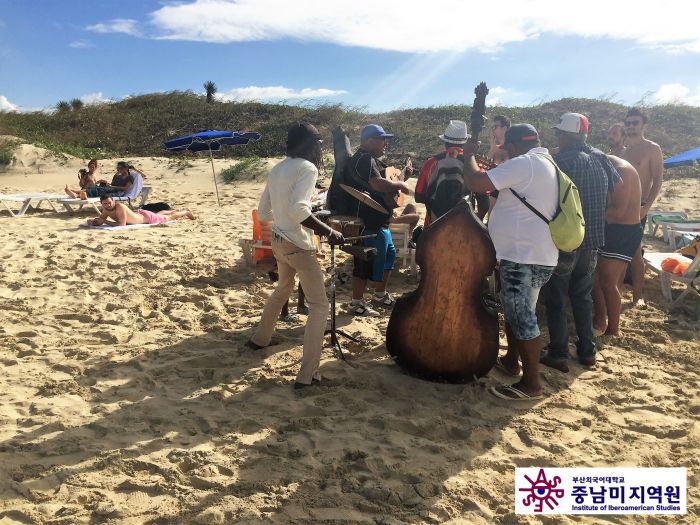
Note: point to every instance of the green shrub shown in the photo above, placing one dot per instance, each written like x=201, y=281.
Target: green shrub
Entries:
x=138, y=125
x=7, y=153
x=248, y=168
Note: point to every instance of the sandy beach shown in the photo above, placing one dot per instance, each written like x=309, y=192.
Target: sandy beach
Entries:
x=126, y=395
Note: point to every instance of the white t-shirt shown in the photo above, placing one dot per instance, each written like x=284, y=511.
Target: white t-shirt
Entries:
x=517, y=233
x=287, y=200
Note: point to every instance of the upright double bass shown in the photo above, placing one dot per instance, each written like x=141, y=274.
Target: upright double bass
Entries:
x=442, y=331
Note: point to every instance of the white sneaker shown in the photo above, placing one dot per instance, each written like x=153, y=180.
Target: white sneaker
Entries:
x=363, y=309
x=384, y=300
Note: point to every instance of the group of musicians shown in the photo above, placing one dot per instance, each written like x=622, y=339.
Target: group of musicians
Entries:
x=286, y=200
x=522, y=241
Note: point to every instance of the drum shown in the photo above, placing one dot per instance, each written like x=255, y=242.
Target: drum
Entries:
x=348, y=225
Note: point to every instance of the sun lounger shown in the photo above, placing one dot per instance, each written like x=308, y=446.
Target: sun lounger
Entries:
x=28, y=200
x=690, y=277
x=656, y=219
x=402, y=238
x=675, y=231
x=69, y=203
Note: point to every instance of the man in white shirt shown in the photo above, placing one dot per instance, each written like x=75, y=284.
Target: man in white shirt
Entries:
x=524, y=247
x=287, y=200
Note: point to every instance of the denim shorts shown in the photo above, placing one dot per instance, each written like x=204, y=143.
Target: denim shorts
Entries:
x=520, y=287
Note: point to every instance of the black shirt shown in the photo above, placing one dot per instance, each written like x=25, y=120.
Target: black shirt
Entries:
x=361, y=168
x=120, y=180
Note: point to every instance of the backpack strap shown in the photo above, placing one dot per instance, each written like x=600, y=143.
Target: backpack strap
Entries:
x=529, y=206
x=524, y=200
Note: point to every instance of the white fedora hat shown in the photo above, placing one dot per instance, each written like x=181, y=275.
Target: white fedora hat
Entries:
x=455, y=132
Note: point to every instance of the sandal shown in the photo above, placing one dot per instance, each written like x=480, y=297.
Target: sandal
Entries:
x=511, y=393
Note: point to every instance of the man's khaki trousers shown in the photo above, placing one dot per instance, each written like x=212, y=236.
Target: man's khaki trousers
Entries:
x=292, y=260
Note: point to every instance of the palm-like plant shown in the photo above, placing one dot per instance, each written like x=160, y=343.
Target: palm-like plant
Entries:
x=63, y=106
x=77, y=104
x=211, y=89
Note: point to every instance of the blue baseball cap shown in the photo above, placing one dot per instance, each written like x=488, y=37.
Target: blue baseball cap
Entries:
x=372, y=131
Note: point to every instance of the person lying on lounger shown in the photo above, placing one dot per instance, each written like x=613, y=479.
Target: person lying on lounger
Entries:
x=121, y=215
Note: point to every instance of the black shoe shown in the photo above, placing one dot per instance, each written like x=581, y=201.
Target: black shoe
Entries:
x=253, y=346
x=588, y=362
x=314, y=382
x=557, y=364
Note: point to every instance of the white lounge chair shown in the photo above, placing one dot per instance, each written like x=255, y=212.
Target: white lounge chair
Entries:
x=657, y=218
x=69, y=202
x=26, y=200
x=401, y=237
x=690, y=277
x=675, y=231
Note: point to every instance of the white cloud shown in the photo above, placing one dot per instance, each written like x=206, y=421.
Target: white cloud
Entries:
x=118, y=25
x=251, y=93
x=95, y=98
x=496, y=96
x=6, y=105
x=676, y=94
x=420, y=27
x=80, y=44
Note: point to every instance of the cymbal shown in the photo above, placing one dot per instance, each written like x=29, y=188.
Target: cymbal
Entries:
x=364, y=198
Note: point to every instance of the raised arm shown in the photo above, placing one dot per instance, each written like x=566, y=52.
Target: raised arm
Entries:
x=475, y=179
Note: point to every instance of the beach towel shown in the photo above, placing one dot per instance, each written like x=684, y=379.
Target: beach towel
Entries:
x=126, y=227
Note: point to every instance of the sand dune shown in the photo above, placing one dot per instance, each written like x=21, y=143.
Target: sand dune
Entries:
x=126, y=395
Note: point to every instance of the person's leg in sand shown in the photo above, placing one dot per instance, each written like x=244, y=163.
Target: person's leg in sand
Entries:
x=280, y=295
x=520, y=287
x=292, y=260
x=177, y=214
x=581, y=299
x=637, y=267
x=621, y=241
x=555, y=296
x=607, y=311
x=378, y=270
x=311, y=277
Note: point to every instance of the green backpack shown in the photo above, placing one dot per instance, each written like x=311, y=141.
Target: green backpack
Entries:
x=567, y=227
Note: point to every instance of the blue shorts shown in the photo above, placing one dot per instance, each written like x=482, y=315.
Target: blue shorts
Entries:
x=520, y=288
x=383, y=260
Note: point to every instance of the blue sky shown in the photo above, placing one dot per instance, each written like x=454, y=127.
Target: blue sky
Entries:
x=378, y=55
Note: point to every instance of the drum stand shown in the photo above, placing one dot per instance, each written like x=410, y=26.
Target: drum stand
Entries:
x=334, y=331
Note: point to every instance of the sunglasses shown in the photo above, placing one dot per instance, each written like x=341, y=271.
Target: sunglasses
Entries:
x=633, y=122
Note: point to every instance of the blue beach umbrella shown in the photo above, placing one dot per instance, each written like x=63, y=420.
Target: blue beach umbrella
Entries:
x=211, y=140
x=687, y=158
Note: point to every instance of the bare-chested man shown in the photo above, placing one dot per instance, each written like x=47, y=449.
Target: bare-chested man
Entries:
x=121, y=215
x=647, y=159
x=623, y=234
x=616, y=139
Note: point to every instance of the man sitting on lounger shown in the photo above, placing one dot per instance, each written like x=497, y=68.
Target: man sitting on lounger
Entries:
x=121, y=215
